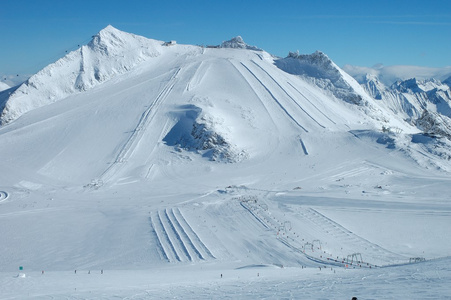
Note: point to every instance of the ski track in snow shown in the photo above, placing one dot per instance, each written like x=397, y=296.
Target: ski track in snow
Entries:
x=351, y=173
x=166, y=240
x=274, y=98
x=320, y=111
x=172, y=231
x=137, y=133
x=197, y=230
x=289, y=96
x=195, y=240
x=241, y=74
x=179, y=242
x=196, y=79
x=155, y=237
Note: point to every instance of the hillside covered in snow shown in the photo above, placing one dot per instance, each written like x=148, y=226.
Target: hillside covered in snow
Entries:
x=137, y=167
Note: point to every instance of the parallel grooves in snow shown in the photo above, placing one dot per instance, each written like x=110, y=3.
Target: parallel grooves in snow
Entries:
x=178, y=245
x=164, y=239
x=137, y=133
x=197, y=77
x=184, y=238
x=320, y=111
x=289, y=96
x=192, y=234
x=177, y=241
x=158, y=241
x=274, y=98
x=245, y=206
x=240, y=73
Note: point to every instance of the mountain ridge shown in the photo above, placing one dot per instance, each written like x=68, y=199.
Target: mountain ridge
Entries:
x=110, y=52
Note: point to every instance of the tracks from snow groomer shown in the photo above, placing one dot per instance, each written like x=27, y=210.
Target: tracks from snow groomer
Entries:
x=177, y=241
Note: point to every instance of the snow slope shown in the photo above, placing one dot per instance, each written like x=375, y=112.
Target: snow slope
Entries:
x=110, y=53
x=180, y=163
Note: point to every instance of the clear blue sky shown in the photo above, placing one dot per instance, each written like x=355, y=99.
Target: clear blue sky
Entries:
x=34, y=33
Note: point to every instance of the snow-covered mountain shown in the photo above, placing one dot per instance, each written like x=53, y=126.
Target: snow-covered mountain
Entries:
x=447, y=81
x=238, y=43
x=182, y=164
x=110, y=53
x=390, y=74
x=413, y=98
x=3, y=86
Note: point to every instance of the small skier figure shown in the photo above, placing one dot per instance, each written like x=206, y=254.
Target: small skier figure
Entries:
x=221, y=275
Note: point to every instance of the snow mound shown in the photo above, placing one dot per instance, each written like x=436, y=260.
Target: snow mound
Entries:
x=111, y=52
x=238, y=43
x=196, y=131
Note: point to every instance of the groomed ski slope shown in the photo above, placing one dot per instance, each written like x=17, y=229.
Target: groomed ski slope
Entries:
x=100, y=180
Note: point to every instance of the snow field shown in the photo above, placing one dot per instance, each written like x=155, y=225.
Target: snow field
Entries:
x=99, y=180
x=418, y=281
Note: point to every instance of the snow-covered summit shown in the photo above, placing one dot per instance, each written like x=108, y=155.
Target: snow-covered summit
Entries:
x=317, y=64
x=238, y=43
x=323, y=72
x=110, y=52
x=425, y=103
x=373, y=86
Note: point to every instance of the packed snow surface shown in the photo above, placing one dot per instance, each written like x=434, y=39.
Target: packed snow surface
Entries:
x=132, y=169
